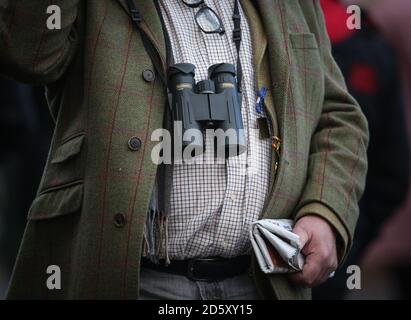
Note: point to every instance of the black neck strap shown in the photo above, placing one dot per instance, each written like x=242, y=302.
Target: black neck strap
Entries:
x=154, y=55
x=237, y=40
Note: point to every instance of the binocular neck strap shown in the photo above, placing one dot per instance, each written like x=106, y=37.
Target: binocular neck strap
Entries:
x=155, y=58
x=237, y=40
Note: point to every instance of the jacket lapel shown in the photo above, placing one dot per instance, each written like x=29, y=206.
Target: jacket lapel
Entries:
x=257, y=35
x=150, y=24
x=272, y=15
x=260, y=58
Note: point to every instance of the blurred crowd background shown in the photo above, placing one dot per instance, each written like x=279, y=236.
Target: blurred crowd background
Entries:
x=376, y=61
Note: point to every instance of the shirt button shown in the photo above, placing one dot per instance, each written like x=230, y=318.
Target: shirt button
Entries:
x=134, y=144
x=119, y=220
x=149, y=75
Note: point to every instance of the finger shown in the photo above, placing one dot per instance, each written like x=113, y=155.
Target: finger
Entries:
x=311, y=273
x=302, y=234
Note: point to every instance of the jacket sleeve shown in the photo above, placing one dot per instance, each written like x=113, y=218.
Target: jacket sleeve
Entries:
x=337, y=161
x=29, y=51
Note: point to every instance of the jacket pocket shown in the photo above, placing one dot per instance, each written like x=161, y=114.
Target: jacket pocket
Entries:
x=68, y=149
x=66, y=163
x=57, y=202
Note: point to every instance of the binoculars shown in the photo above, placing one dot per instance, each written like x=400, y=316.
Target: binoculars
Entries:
x=214, y=103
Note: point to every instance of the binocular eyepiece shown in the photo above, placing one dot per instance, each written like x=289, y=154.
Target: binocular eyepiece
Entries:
x=214, y=103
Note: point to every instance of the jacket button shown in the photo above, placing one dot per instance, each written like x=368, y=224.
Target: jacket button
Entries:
x=134, y=144
x=119, y=220
x=149, y=75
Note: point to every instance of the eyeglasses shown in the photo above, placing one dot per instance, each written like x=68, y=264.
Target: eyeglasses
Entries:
x=206, y=18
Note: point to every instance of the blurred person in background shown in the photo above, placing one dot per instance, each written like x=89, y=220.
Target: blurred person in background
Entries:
x=25, y=131
x=369, y=66
x=389, y=256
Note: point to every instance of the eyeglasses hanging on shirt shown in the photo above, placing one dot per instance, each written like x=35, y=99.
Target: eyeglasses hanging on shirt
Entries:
x=206, y=18
x=209, y=22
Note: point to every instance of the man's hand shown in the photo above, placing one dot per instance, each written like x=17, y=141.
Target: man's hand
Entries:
x=318, y=243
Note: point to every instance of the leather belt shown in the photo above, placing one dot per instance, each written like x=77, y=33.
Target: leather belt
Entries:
x=207, y=269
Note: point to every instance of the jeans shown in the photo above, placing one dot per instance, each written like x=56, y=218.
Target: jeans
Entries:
x=156, y=285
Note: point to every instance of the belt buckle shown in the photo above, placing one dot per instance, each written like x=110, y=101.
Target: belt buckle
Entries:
x=191, y=267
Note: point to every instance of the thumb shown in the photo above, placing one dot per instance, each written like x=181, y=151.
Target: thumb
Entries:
x=303, y=235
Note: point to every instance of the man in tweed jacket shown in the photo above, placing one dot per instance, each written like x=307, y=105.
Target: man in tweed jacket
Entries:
x=89, y=214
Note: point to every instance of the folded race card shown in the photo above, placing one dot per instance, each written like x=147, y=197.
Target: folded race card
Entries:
x=276, y=247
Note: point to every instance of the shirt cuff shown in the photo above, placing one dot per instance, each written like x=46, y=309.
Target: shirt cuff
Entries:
x=343, y=237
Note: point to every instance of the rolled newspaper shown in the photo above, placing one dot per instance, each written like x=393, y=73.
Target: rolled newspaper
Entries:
x=276, y=247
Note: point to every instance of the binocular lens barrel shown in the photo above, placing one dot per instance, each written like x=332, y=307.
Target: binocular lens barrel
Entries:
x=181, y=76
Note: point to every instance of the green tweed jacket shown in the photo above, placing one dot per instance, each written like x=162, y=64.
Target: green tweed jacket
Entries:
x=91, y=205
